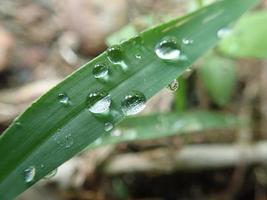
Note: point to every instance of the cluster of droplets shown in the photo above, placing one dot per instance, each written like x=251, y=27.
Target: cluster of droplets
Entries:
x=63, y=140
x=187, y=41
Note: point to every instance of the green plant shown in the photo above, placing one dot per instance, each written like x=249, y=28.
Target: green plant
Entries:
x=74, y=113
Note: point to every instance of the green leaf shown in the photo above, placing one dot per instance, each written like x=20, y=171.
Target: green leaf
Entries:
x=59, y=124
x=167, y=124
x=248, y=38
x=219, y=78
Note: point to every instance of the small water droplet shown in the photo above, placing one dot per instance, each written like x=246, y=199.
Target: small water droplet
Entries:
x=18, y=124
x=51, y=174
x=174, y=85
x=64, y=99
x=100, y=71
x=29, y=174
x=138, y=56
x=68, y=141
x=133, y=103
x=98, y=141
x=131, y=134
x=224, y=32
x=108, y=126
x=115, y=54
x=168, y=50
x=116, y=133
x=187, y=41
x=98, y=102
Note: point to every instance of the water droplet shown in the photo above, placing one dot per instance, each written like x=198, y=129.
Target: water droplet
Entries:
x=68, y=141
x=51, y=174
x=98, y=141
x=131, y=134
x=29, y=174
x=168, y=50
x=18, y=124
x=108, y=126
x=115, y=54
x=100, y=71
x=224, y=32
x=98, y=102
x=64, y=99
x=188, y=70
x=174, y=85
x=187, y=41
x=138, y=56
x=133, y=103
x=116, y=133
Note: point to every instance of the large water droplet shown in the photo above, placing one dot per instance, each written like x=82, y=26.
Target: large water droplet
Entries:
x=174, y=85
x=64, y=99
x=51, y=174
x=29, y=174
x=100, y=71
x=224, y=32
x=98, y=102
x=168, y=50
x=108, y=126
x=133, y=103
x=115, y=54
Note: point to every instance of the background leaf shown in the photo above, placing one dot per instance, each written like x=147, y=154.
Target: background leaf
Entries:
x=219, y=78
x=248, y=38
x=166, y=124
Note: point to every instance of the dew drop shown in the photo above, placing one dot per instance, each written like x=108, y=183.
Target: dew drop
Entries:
x=68, y=141
x=115, y=54
x=187, y=41
x=51, y=174
x=29, y=174
x=100, y=71
x=116, y=133
x=18, y=124
x=168, y=50
x=174, y=85
x=138, y=56
x=64, y=99
x=108, y=126
x=224, y=32
x=98, y=141
x=98, y=102
x=133, y=103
